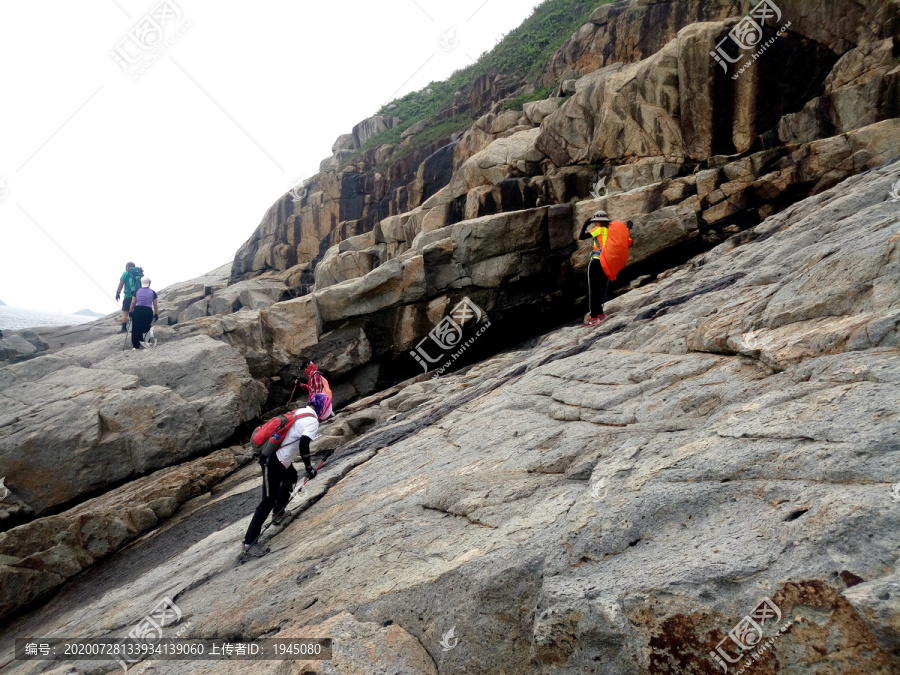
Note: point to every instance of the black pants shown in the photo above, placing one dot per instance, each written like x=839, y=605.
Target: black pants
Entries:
x=140, y=325
x=278, y=482
x=598, y=285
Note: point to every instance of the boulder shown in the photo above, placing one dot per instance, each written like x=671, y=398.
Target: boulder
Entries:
x=20, y=345
x=416, y=128
x=194, y=311
x=290, y=328
x=371, y=127
x=255, y=300
x=500, y=160
x=537, y=111
x=344, y=142
x=69, y=430
x=178, y=297
x=225, y=394
x=398, y=281
x=241, y=330
x=228, y=299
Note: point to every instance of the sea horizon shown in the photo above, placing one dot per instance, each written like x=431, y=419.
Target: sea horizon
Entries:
x=19, y=318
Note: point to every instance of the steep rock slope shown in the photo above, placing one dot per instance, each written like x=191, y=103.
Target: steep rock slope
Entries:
x=606, y=501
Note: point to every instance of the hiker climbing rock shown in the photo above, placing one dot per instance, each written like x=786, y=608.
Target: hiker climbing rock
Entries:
x=283, y=438
x=611, y=243
x=144, y=310
x=316, y=384
x=130, y=281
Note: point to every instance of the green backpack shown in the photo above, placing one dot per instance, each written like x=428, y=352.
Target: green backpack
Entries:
x=133, y=280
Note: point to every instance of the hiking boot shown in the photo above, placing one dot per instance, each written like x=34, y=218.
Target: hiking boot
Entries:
x=594, y=320
x=279, y=519
x=256, y=550
x=124, y=328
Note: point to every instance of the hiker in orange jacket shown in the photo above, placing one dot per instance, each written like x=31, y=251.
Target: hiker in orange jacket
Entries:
x=610, y=255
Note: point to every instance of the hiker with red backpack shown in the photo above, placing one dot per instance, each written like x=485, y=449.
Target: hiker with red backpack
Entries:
x=610, y=255
x=281, y=440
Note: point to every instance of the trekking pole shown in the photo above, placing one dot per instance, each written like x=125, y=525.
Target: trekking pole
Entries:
x=292, y=393
x=293, y=494
x=125, y=344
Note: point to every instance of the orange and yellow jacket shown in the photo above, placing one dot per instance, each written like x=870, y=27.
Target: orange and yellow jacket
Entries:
x=611, y=244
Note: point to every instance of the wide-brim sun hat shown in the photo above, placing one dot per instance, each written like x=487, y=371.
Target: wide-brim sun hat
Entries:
x=600, y=217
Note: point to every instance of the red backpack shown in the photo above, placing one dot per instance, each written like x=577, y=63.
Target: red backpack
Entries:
x=268, y=437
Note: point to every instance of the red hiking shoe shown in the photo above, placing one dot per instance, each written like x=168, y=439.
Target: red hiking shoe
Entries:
x=594, y=320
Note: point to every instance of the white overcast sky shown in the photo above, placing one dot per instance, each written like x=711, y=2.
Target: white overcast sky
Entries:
x=174, y=170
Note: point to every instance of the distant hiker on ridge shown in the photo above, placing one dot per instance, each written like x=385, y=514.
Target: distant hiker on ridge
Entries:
x=144, y=309
x=279, y=474
x=610, y=255
x=130, y=281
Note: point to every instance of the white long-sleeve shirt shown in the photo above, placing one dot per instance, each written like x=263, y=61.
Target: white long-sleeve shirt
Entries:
x=304, y=426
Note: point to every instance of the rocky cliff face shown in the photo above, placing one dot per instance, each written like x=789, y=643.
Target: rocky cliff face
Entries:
x=611, y=501
x=606, y=501
x=685, y=150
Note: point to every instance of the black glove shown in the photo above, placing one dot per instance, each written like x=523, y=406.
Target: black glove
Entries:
x=156, y=317
x=117, y=295
x=130, y=315
x=311, y=473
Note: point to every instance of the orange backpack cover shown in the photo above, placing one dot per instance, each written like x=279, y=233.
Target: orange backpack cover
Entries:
x=614, y=255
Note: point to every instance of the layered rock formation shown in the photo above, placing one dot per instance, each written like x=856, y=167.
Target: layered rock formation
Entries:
x=607, y=501
x=610, y=501
x=685, y=151
x=42, y=555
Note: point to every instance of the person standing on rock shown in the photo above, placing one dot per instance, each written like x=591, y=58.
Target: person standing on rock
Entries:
x=129, y=283
x=279, y=474
x=144, y=309
x=611, y=243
